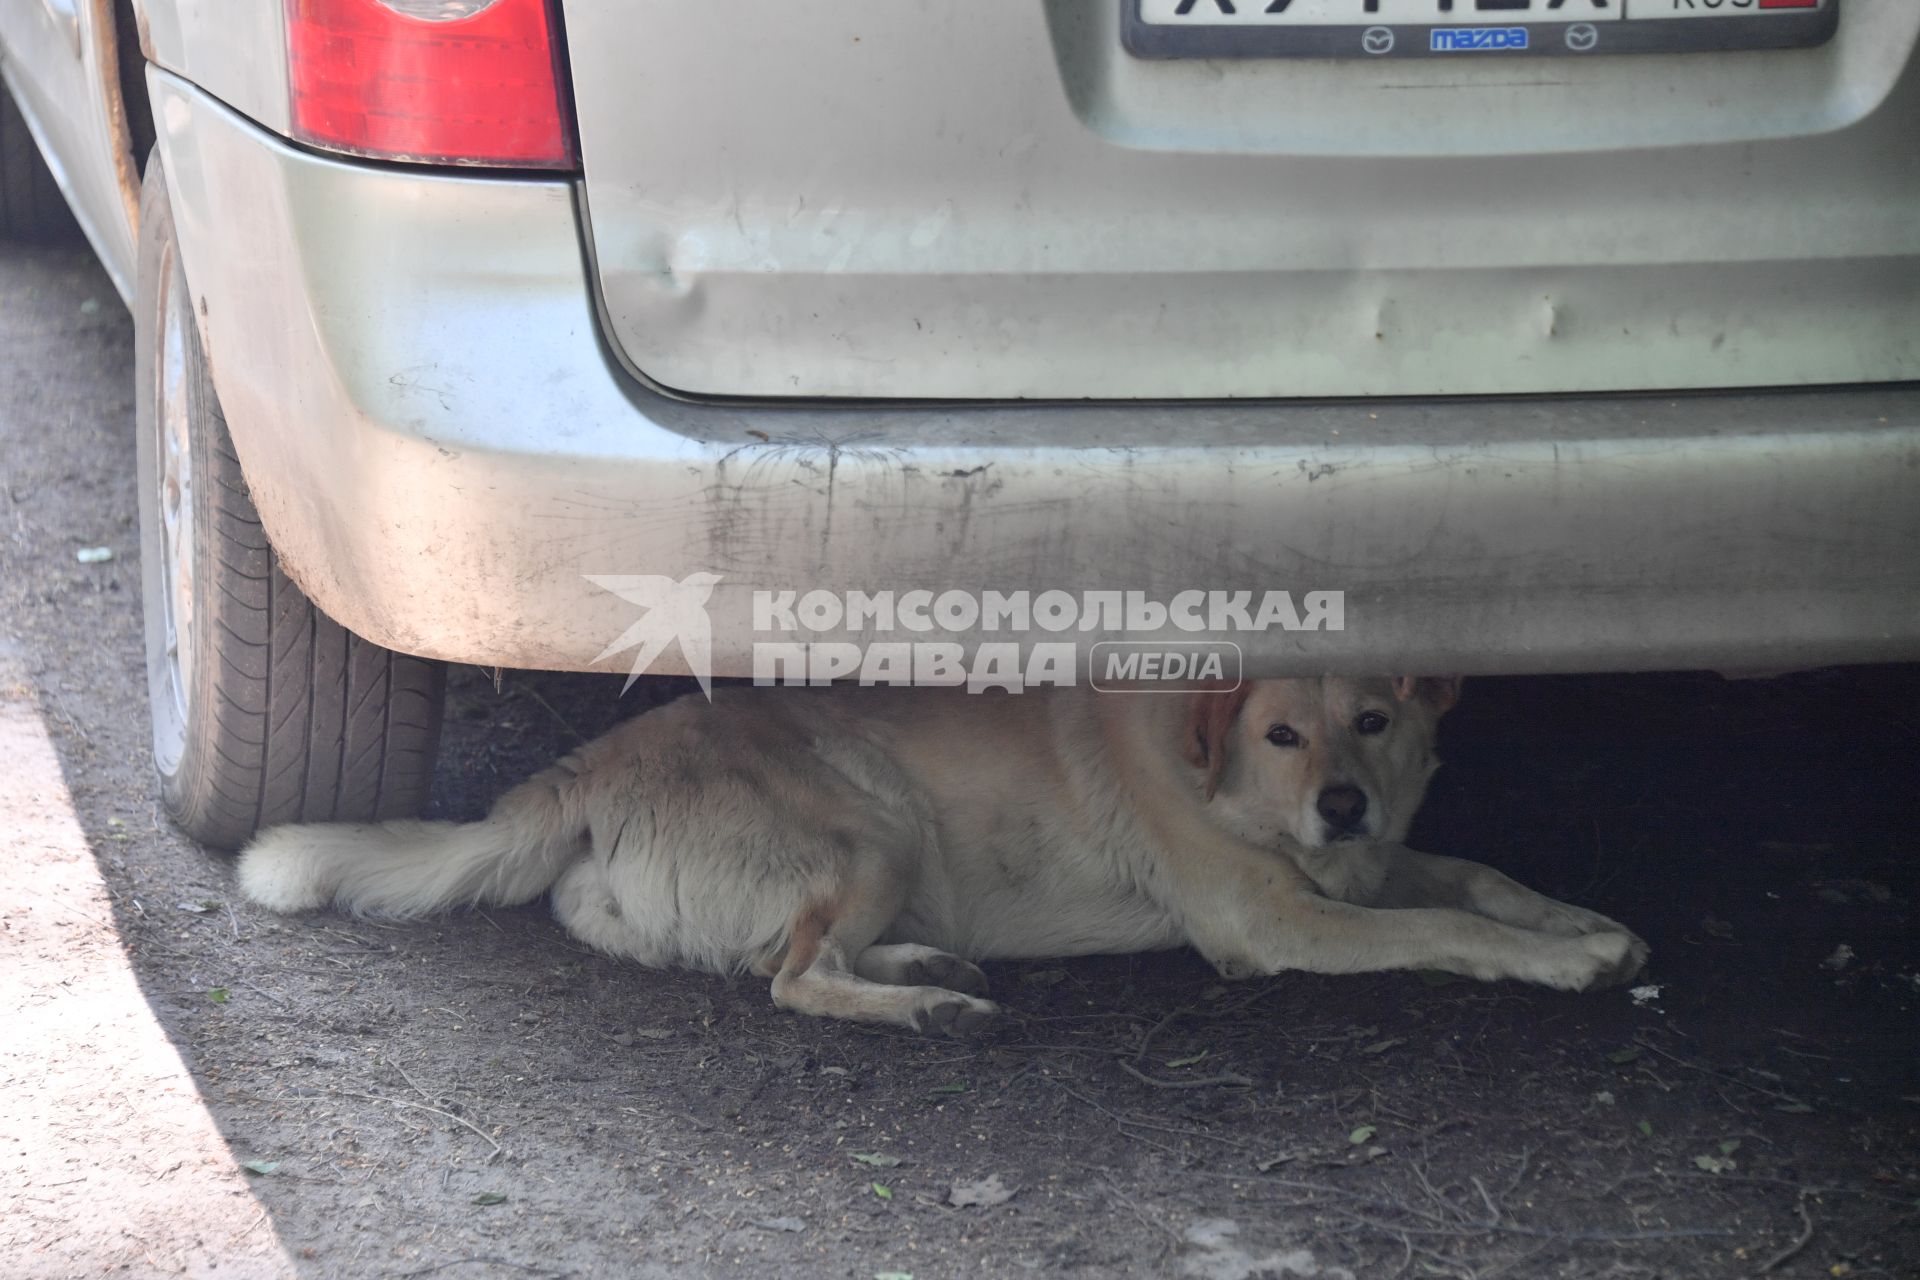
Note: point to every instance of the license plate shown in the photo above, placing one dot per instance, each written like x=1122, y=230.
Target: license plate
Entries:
x=1467, y=28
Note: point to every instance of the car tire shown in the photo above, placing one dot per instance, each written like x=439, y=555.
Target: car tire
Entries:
x=265, y=710
x=31, y=206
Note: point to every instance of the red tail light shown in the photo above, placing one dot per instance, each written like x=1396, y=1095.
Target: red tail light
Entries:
x=435, y=81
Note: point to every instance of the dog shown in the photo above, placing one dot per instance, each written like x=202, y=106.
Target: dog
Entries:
x=863, y=847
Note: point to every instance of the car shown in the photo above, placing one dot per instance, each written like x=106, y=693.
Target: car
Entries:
x=1559, y=336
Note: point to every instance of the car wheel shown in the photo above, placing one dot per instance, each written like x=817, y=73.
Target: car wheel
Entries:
x=31, y=206
x=265, y=710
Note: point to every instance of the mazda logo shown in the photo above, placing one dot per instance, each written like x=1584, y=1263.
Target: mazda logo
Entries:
x=1377, y=40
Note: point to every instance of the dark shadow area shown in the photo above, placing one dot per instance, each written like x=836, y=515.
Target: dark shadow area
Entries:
x=477, y=1096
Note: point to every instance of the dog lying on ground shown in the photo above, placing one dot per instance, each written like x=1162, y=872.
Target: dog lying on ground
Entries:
x=862, y=847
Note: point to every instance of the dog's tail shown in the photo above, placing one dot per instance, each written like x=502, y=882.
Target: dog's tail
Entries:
x=414, y=868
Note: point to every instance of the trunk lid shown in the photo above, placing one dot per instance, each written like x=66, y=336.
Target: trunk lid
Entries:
x=875, y=198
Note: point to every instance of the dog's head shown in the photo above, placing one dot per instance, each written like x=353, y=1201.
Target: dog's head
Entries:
x=1317, y=761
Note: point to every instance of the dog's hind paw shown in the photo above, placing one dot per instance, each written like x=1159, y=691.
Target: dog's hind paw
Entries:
x=948, y=972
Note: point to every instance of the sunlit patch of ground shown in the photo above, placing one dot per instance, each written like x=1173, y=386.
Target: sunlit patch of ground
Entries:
x=108, y=1159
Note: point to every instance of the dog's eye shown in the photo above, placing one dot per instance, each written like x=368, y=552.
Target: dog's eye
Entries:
x=1283, y=736
x=1370, y=722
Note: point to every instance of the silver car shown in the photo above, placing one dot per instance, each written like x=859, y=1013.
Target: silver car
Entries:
x=1551, y=335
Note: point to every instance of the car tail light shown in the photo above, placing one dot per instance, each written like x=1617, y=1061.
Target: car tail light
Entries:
x=434, y=81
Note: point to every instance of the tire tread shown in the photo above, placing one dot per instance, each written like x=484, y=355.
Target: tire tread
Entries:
x=304, y=721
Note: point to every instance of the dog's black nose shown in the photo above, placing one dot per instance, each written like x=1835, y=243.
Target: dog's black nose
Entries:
x=1343, y=807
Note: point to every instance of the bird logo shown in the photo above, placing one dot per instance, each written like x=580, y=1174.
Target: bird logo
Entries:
x=675, y=612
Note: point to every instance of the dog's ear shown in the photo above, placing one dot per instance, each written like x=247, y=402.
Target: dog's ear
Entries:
x=1438, y=692
x=1210, y=718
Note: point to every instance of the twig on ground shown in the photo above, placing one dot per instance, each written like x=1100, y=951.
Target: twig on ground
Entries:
x=1419, y=1170
x=248, y=1229
x=1440, y=1264
x=1140, y=1055
x=410, y=1080
x=1493, y=1210
x=1137, y=1210
x=1456, y=1224
x=1598, y=1235
x=1227, y=1079
x=1523, y=1263
x=461, y=1262
x=1722, y=1179
x=1519, y=1174
x=498, y=1150
x=558, y=719
x=1124, y=1122
x=66, y=714
x=1798, y=1243
x=279, y=1000
x=1762, y=1090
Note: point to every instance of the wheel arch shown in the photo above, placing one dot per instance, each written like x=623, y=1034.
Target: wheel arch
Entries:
x=118, y=70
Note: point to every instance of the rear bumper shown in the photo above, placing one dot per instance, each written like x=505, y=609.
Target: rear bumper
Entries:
x=442, y=448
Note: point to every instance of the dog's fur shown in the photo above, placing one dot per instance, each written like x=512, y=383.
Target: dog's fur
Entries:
x=863, y=846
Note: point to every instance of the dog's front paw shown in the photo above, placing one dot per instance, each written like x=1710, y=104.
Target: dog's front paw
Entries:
x=1638, y=953
x=955, y=1015
x=1613, y=959
x=1564, y=920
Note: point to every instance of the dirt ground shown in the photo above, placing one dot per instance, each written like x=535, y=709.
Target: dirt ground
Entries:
x=478, y=1097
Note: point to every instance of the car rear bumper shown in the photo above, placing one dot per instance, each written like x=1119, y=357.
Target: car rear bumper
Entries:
x=443, y=448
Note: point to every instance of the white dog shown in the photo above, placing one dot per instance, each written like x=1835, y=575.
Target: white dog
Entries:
x=863, y=846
